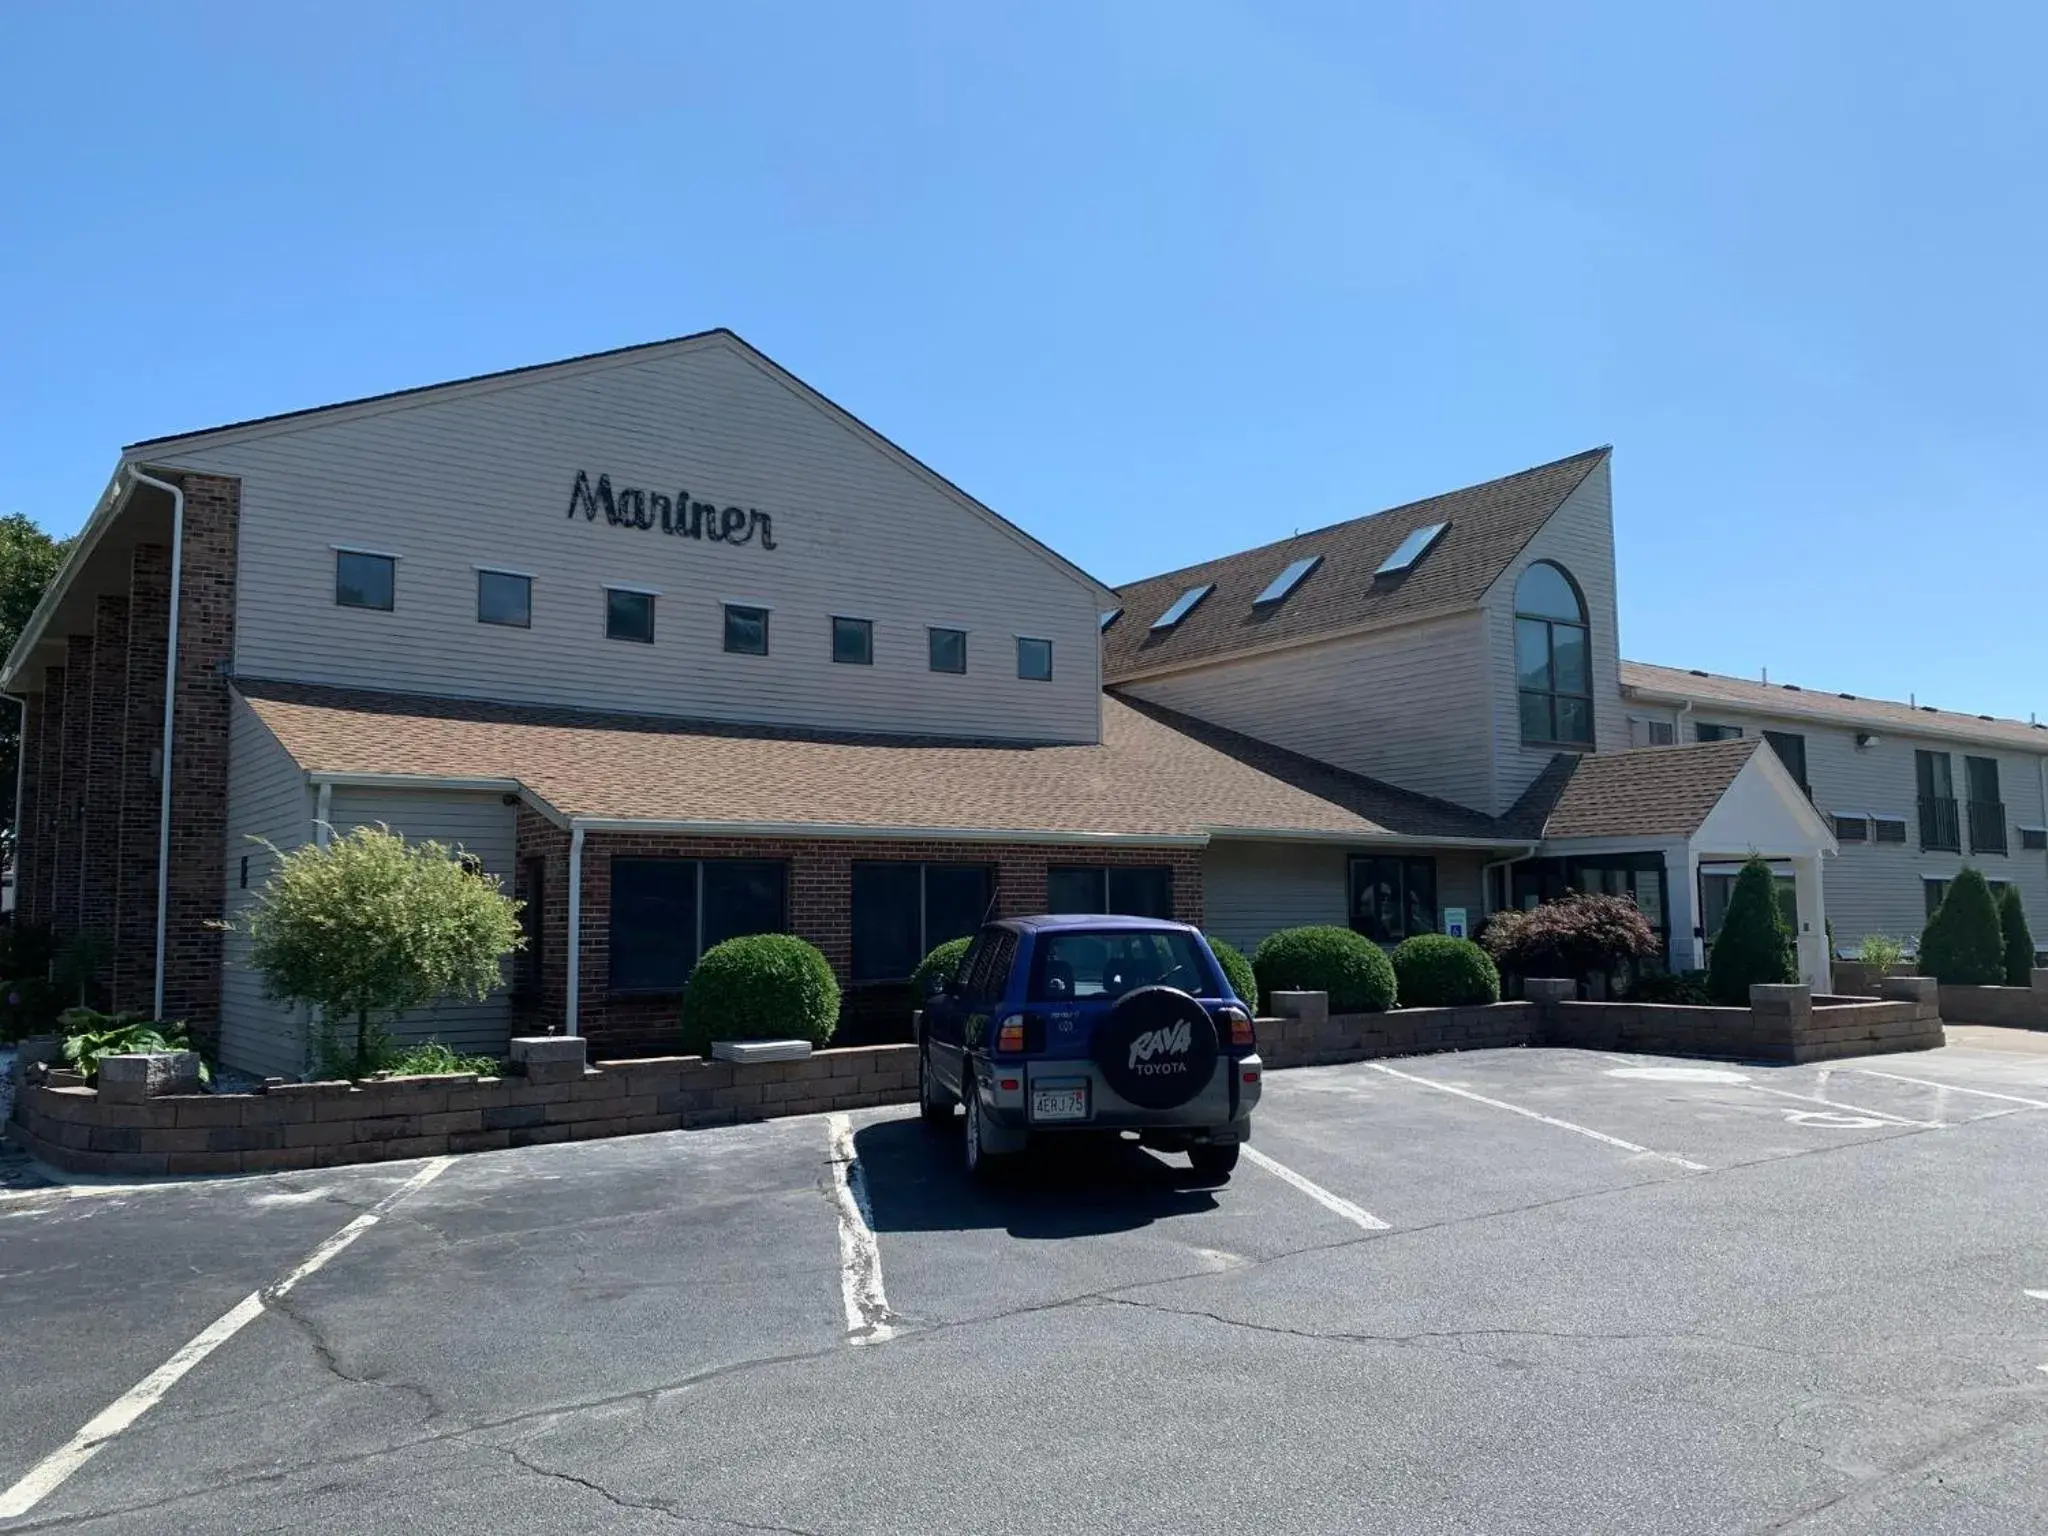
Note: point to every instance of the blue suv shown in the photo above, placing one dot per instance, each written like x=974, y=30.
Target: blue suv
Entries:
x=1056, y=1025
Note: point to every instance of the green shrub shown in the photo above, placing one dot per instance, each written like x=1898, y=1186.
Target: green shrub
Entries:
x=2019, y=939
x=370, y=926
x=90, y=1035
x=1437, y=971
x=1881, y=952
x=1755, y=944
x=1237, y=971
x=1687, y=987
x=1350, y=967
x=430, y=1058
x=941, y=965
x=765, y=986
x=1964, y=944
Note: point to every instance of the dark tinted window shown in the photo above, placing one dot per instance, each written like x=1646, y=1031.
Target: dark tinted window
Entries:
x=1034, y=660
x=886, y=920
x=654, y=924
x=1075, y=890
x=1393, y=898
x=629, y=615
x=364, y=581
x=1128, y=891
x=853, y=641
x=746, y=630
x=742, y=896
x=948, y=649
x=956, y=901
x=502, y=598
x=1068, y=966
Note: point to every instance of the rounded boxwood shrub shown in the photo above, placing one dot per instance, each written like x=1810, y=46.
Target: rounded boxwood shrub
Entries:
x=1964, y=945
x=1435, y=970
x=2019, y=939
x=1350, y=967
x=942, y=964
x=764, y=986
x=1237, y=970
x=1754, y=947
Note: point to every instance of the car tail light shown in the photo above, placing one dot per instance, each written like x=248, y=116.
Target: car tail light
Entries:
x=1236, y=1027
x=1010, y=1034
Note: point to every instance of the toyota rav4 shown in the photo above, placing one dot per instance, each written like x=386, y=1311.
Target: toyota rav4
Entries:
x=1054, y=1025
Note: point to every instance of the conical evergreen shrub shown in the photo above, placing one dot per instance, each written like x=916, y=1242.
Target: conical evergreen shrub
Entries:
x=1964, y=945
x=1755, y=945
x=2019, y=939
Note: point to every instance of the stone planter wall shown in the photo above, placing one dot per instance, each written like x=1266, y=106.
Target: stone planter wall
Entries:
x=2014, y=1007
x=554, y=1098
x=1305, y=1033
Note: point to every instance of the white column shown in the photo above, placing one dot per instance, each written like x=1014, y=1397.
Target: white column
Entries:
x=1815, y=961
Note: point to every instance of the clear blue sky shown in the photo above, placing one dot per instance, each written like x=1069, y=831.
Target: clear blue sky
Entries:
x=1156, y=280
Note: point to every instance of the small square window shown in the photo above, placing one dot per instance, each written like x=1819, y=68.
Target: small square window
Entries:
x=948, y=649
x=1852, y=829
x=503, y=598
x=746, y=630
x=1888, y=829
x=853, y=641
x=1034, y=660
x=364, y=581
x=629, y=615
x=2034, y=839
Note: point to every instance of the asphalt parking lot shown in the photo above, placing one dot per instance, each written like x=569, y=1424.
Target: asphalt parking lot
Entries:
x=1501, y=1291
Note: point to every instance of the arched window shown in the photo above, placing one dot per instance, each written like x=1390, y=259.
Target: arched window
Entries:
x=1553, y=658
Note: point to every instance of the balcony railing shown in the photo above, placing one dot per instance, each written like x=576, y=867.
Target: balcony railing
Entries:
x=1987, y=826
x=1941, y=825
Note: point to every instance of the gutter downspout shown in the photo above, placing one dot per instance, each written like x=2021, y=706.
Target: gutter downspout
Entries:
x=163, y=818
x=323, y=813
x=1486, y=878
x=575, y=967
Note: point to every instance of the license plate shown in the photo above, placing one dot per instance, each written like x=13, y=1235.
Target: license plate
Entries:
x=1067, y=1103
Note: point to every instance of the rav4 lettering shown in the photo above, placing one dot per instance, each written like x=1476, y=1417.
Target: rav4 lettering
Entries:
x=1167, y=1040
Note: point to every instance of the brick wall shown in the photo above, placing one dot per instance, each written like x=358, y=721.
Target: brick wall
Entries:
x=142, y=713
x=28, y=846
x=74, y=761
x=199, y=756
x=820, y=893
x=1308, y=1035
x=101, y=823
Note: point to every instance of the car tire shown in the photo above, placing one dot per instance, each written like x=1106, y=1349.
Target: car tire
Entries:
x=982, y=1166
x=934, y=1107
x=1213, y=1160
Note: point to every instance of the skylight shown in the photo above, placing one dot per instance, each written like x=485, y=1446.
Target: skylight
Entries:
x=1412, y=549
x=1288, y=580
x=1107, y=617
x=1183, y=605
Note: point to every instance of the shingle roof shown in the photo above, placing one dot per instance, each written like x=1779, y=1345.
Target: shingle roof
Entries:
x=1489, y=525
x=1647, y=792
x=1153, y=775
x=1789, y=699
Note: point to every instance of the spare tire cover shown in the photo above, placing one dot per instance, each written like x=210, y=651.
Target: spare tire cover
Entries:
x=1156, y=1048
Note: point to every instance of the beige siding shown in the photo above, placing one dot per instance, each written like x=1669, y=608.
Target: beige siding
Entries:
x=1873, y=888
x=1580, y=537
x=1252, y=889
x=268, y=799
x=481, y=824
x=483, y=476
x=1406, y=705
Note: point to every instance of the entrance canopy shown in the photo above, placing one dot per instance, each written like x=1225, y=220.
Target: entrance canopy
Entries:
x=1664, y=824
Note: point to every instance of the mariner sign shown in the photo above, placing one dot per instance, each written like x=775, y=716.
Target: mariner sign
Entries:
x=630, y=507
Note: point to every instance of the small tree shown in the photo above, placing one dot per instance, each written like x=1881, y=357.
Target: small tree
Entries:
x=1755, y=944
x=2019, y=939
x=371, y=926
x=1578, y=936
x=1964, y=945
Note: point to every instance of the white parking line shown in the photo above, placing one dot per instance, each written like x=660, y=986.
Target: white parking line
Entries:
x=1550, y=1120
x=1356, y=1215
x=860, y=1256
x=49, y=1474
x=1928, y=1082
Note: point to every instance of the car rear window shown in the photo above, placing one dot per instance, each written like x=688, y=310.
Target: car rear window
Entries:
x=1070, y=966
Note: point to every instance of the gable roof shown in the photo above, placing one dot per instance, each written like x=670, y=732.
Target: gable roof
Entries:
x=1841, y=709
x=720, y=336
x=1647, y=792
x=1489, y=525
x=1152, y=777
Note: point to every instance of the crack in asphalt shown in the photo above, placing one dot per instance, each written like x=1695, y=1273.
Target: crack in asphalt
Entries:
x=330, y=1358
x=1914, y=1473
x=660, y=1507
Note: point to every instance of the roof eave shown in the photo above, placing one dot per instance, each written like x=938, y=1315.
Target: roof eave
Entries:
x=1939, y=727
x=104, y=514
